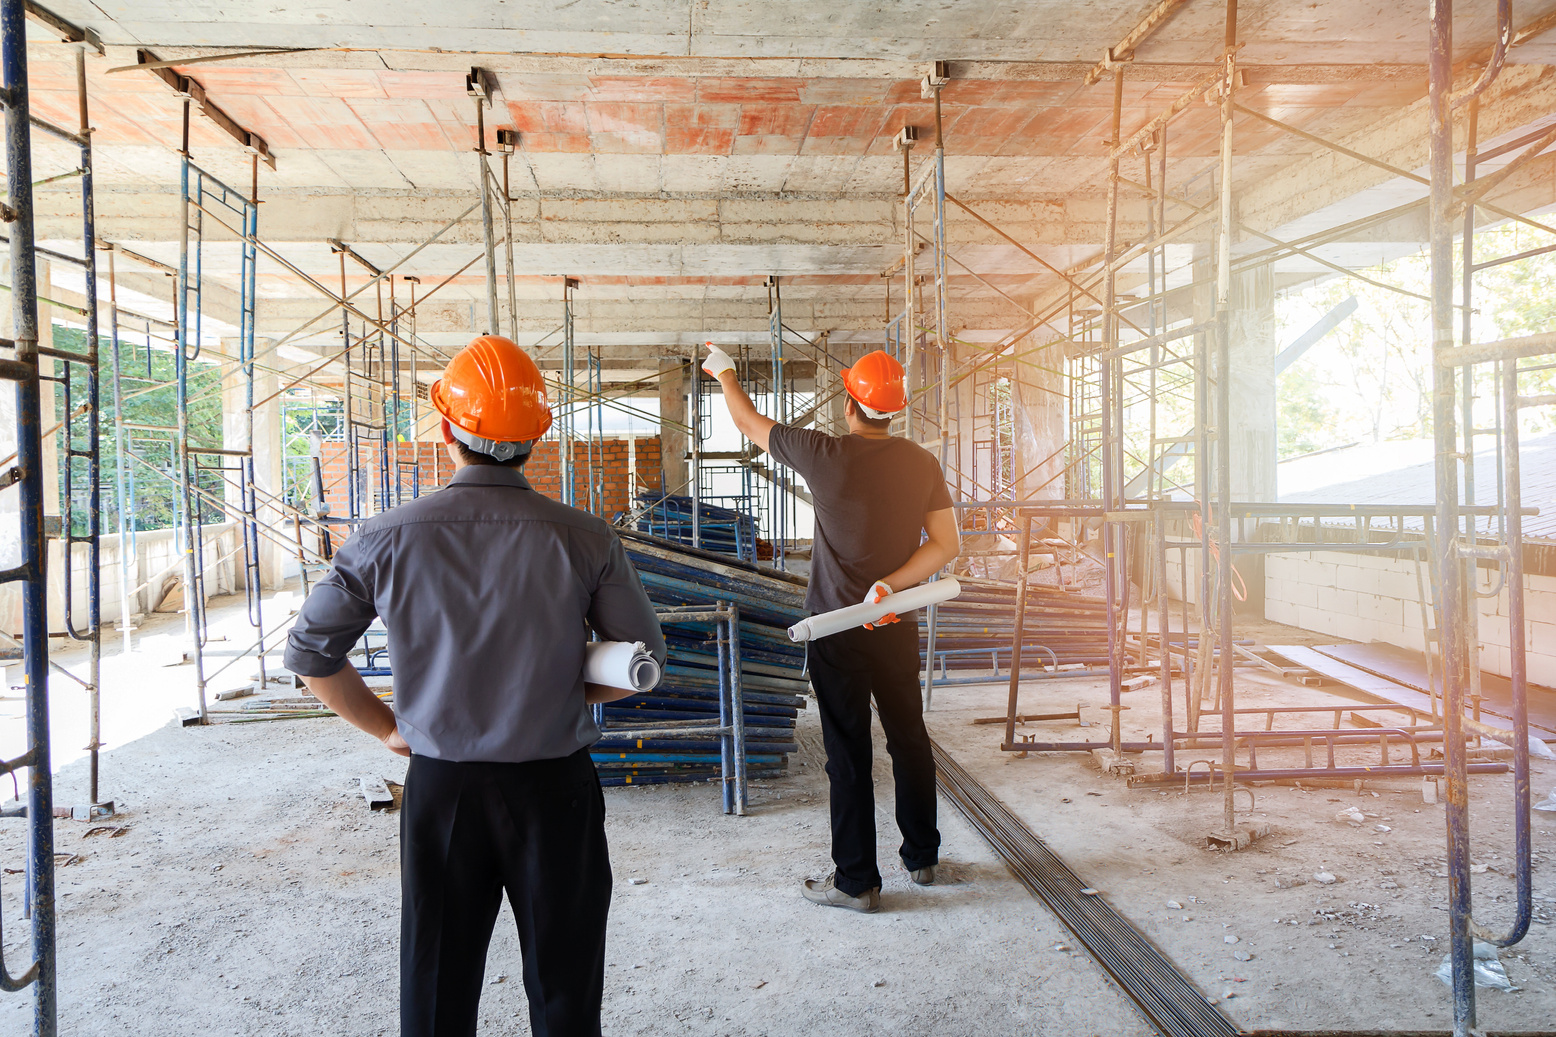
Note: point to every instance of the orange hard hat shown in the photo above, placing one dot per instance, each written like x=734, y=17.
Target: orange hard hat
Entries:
x=877, y=383
x=493, y=397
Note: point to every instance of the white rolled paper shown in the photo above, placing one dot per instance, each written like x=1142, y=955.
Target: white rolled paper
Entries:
x=620, y=664
x=838, y=620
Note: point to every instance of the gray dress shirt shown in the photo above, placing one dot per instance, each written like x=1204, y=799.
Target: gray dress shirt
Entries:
x=485, y=587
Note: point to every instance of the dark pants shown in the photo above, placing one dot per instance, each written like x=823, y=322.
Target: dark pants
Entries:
x=846, y=669
x=469, y=831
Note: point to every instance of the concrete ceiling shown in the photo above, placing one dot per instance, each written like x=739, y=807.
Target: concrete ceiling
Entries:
x=675, y=154
x=1277, y=31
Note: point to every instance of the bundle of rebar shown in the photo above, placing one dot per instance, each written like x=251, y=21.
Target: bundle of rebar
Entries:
x=1162, y=993
x=682, y=712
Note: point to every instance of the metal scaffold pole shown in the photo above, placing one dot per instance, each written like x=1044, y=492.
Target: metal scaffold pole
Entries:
x=1451, y=621
x=32, y=573
x=480, y=91
x=1224, y=436
x=189, y=510
x=123, y=479
x=1111, y=415
x=567, y=421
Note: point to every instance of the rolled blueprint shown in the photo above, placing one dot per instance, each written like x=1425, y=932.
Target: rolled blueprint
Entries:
x=620, y=664
x=838, y=620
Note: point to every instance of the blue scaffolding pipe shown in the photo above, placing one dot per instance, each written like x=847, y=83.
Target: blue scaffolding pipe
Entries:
x=32, y=574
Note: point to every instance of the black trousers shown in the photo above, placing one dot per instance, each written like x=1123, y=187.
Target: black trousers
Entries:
x=846, y=669
x=469, y=831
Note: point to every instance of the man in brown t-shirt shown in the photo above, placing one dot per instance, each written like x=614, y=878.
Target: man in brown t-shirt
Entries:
x=875, y=498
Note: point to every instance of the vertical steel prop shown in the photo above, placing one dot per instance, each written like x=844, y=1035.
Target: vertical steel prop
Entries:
x=89, y=457
x=1446, y=561
x=123, y=487
x=1518, y=669
x=1224, y=432
x=189, y=510
x=944, y=336
x=567, y=421
x=778, y=487
x=1019, y=631
x=33, y=570
x=488, y=242
x=1112, y=429
x=252, y=569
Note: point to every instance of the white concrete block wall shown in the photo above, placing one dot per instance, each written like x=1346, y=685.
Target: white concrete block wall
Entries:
x=156, y=554
x=1364, y=597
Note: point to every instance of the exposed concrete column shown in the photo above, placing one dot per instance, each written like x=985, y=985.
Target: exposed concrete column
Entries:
x=673, y=442
x=266, y=448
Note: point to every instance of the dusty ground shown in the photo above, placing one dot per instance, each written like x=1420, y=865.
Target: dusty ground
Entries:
x=1360, y=952
x=252, y=892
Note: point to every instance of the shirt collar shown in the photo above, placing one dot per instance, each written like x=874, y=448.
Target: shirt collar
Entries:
x=490, y=475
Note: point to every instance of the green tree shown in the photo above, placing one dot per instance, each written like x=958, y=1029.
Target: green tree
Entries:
x=147, y=381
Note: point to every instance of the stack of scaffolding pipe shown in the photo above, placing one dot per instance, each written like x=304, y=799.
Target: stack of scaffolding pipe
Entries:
x=686, y=700
x=718, y=529
x=1061, y=627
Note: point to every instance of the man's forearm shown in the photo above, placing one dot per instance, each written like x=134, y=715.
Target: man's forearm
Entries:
x=345, y=692
x=929, y=559
x=741, y=407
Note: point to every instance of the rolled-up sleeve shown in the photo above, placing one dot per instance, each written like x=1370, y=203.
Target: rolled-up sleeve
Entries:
x=337, y=611
x=620, y=610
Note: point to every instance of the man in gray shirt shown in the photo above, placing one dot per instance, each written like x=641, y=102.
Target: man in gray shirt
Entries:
x=486, y=588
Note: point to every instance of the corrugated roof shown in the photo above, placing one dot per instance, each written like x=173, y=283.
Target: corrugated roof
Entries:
x=1415, y=484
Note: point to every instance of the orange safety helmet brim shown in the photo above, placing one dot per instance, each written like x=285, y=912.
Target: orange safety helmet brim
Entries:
x=493, y=391
x=877, y=383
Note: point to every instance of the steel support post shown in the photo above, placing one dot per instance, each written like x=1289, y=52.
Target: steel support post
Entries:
x=737, y=705
x=91, y=633
x=488, y=243
x=1013, y=701
x=188, y=505
x=123, y=486
x=1518, y=668
x=568, y=424
x=778, y=485
x=33, y=570
x=1112, y=431
x=1224, y=432
x=1451, y=620
x=507, y=239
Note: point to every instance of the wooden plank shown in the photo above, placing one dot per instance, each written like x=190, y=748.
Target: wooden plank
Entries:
x=1407, y=667
x=1364, y=682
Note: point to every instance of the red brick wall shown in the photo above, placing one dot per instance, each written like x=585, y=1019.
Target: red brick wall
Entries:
x=542, y=471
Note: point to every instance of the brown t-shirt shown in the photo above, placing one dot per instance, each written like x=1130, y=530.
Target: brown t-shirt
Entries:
x=871, y=496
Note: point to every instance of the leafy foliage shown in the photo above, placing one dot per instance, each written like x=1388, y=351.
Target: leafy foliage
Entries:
x=1370, y=380
x=146, y=379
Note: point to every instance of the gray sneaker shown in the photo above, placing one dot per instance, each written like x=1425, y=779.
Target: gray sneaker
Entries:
x=825, y=892
x=923, y=876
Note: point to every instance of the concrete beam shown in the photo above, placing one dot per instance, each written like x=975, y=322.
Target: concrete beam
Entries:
x=397, y=217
